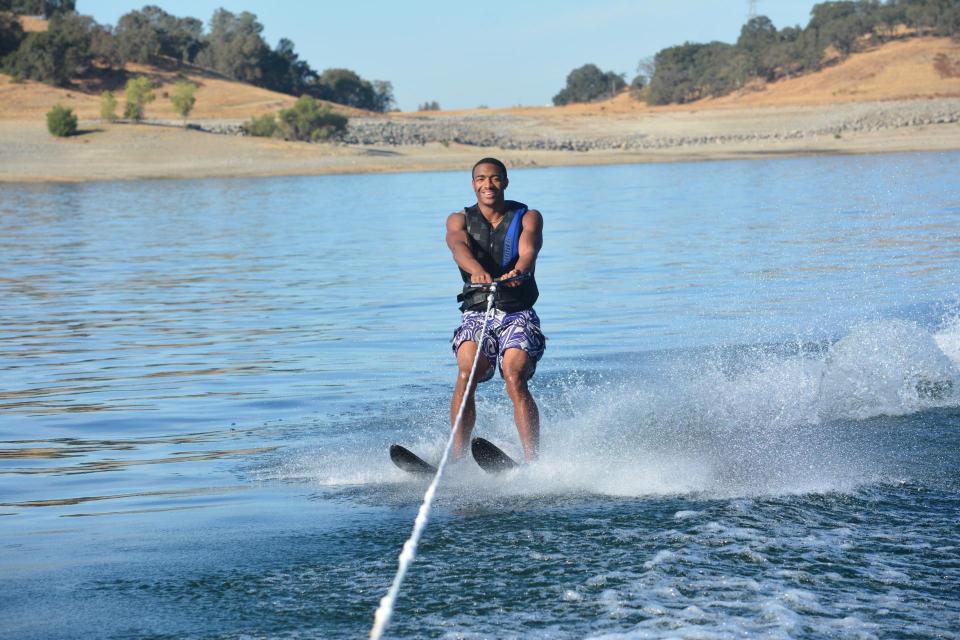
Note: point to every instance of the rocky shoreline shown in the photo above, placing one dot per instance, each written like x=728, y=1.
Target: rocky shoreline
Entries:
x=468, y=131
x=640, y=133
x=444, y=142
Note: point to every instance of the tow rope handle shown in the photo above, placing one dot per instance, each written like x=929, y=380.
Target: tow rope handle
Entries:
x=525, y=275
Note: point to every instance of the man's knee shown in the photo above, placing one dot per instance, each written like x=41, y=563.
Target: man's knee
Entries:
x=463, y=375
x=516, y=368
x=515, y=383
x=464, y=369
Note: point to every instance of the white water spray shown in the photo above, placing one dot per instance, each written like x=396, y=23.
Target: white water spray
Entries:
x=382, y=616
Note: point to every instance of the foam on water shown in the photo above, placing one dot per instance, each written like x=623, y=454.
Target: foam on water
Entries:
x=887, y=367
x=948, y=338
x=747, y=421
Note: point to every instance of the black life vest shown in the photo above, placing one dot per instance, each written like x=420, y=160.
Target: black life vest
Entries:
x=497, y=251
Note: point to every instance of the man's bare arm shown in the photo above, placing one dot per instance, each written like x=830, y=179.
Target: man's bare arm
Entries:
x=531, y=240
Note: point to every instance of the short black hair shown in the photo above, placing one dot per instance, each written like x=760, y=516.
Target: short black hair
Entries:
x=494, y=162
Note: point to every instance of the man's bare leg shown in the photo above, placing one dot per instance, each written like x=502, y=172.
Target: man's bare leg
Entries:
x=515, y=367
x=465, y=355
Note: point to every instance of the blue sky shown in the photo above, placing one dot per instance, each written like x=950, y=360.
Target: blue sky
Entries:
x=468, y=54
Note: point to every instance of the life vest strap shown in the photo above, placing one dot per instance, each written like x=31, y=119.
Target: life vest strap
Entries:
x=511, y=242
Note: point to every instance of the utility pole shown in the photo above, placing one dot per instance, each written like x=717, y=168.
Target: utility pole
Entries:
x=751, y=10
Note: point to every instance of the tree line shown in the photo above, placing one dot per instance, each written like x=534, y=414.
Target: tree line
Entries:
x=691, y=71
x=45, y=8
x=588, y=83
x=233, y=45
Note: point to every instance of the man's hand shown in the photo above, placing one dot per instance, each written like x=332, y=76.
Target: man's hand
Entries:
x=481, y=278
x=511, y=274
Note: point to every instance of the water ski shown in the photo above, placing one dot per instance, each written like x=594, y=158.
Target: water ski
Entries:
x=410, y=462
x=490, y=458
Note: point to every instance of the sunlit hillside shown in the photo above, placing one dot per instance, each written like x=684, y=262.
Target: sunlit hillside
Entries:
x=902, y=69
x=898, y=70
x=32, y=23
x=217, y=97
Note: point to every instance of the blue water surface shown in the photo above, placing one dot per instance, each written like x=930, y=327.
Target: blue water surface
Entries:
x=750, y=400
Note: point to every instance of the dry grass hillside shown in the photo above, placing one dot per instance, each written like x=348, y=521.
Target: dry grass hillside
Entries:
x=217, y=97
x=895, y=71
x=32, y=23
x=898, y=70
x=901, y=96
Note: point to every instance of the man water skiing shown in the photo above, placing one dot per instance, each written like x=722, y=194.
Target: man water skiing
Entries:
x=497, y=239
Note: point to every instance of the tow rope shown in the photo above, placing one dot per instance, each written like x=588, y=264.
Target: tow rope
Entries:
x=384, y=612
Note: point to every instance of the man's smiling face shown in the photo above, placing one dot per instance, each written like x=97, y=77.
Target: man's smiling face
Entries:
x=489, y=184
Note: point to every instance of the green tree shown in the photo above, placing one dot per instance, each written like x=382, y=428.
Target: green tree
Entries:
x=383, y=99
x=283, y=70
x=889, y=16
x=103, y=47
x=56, y=55
x=672, y=81
x=785, y=56
x=694, y=70
x=264, y=127
x=137, y=37
x=138, y=94
x=183, y=98
x=144, y=36
x=758, y=37
x=432, y=105
x=235, y=47
x=11, y=34
x=45, y=8
x=108, y=106
x=183, y=38
x=344, y=86
x=587, y=83
x=839, y=24
x=943, y=17
x=61, y=121
x=308, y=120
x=937, y=17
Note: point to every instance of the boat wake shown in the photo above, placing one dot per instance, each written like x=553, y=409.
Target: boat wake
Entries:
x=739, y=421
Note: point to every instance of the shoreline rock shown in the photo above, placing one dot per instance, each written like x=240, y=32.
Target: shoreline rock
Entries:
x=522, y=133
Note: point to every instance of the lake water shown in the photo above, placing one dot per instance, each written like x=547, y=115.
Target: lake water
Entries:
x=750, y=401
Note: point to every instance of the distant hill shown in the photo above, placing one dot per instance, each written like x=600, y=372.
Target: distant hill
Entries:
x=898, y=70
x=902, y=69
x=217, y=97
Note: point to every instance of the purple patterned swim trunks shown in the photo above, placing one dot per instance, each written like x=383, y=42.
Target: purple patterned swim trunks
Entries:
x=517, y=330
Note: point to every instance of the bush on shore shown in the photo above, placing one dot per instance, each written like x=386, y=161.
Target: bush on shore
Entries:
x=183, y=98
x=108, y=106
x=263, y=127
x=307, y=120
x=139, y=93
x=61, y=121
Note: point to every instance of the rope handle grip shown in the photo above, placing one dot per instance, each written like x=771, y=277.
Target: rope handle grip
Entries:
x=493, y=285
